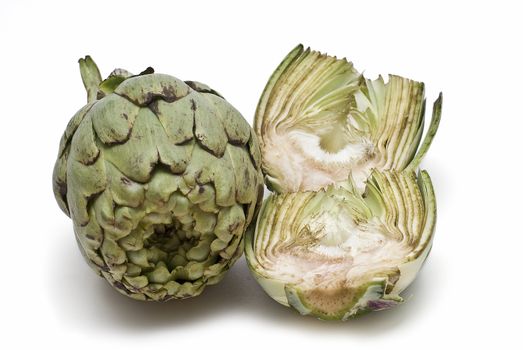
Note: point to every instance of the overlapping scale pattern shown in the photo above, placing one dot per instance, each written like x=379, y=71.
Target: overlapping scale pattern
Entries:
x=161, y=179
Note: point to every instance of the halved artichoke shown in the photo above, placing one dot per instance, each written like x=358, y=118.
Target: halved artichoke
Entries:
x=161, y=179
x=350, y=222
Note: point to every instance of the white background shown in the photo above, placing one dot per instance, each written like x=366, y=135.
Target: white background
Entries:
x=469, y=292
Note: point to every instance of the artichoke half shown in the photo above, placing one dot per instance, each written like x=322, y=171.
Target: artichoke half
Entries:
x=351, y=217
x=161, y=178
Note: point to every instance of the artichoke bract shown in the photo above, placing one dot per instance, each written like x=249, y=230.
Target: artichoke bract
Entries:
x=161, y=178
x=351, y=217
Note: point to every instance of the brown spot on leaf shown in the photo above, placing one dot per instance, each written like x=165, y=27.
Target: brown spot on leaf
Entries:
x=233, y=227
x=62, y=189
x=100, y=94
x=166, y=298
x=120, y=286
x=169, y=95
x=246, y=177
x=153, y=106
x=197, y=87
x=119, y=142
x=92, y=160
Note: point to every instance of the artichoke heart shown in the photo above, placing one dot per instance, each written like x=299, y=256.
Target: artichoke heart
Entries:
x=351, y=217
x=161, y=179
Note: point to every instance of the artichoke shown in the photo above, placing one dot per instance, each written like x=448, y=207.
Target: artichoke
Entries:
x=351, y=217
x=161, y=178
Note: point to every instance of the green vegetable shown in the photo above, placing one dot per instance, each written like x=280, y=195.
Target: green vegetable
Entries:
x=352, y=218
x=161, y=179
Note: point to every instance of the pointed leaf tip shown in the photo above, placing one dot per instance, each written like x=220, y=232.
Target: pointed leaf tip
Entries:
x=431, y=132
x=148, y=70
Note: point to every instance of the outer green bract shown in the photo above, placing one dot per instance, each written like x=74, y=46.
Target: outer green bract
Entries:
x=350, y=223
x=161, y=179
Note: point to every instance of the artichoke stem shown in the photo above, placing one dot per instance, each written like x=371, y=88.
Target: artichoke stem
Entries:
x=90, y=76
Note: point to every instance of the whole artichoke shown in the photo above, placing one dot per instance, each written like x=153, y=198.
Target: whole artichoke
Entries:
x=161, y=179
